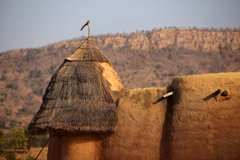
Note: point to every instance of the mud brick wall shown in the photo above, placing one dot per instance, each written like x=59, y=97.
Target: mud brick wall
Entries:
x=200, y=121
x=139, y=128
x=203, y=118
x=74, y=147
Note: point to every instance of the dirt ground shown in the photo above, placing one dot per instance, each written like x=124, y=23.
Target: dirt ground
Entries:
x=33, y=152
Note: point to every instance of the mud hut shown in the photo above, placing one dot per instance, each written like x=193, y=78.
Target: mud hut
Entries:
x=79, y=104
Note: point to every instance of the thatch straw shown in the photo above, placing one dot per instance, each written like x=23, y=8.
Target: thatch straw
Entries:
x=88, y=51
x=78, y=97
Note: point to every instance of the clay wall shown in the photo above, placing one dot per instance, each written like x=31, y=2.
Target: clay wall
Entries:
x=139, y=129
x=202, y=121
x=203, y=118
x=74, y=147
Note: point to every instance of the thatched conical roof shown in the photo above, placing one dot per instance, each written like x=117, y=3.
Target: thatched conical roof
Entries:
x=80, y=97
x=88, y=51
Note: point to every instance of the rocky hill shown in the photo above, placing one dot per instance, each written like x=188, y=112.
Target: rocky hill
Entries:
x=142, y=59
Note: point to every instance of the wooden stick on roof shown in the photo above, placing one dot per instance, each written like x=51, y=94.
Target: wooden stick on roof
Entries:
x=87, y=24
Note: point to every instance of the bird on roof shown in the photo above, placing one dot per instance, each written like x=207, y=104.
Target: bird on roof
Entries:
x=87, y=24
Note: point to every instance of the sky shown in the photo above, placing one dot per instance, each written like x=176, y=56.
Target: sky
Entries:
x=35, y=23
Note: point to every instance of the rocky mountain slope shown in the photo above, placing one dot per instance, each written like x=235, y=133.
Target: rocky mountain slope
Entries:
x=142, y=59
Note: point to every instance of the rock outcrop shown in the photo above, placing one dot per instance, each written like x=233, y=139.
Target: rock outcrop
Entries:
x=192, y=39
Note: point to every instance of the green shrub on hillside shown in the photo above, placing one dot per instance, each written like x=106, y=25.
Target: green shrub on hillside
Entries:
x=38, y=91
x=2, y=124
x=25, y=111
x=14, y=140
x=13, y=123
x=11, y=156
x=20, y=69
x=2, y=100
x=29, y=157
x=12, y=85
x=52, y=70
x=35, y=73
x=3, y=77
x=3, y=97
x=31, y=54
x=3, y=121
x=8, y=111
x=18, y=139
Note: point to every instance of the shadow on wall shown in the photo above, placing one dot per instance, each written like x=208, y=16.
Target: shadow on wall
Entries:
x=166, y=137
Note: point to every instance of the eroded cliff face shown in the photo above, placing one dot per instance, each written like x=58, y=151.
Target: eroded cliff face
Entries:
x=191, y=39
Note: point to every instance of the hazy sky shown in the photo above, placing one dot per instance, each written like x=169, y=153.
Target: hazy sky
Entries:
x=33, y=23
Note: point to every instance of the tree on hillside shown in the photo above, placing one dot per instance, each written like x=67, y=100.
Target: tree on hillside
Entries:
x=18, y=139
x=37, y=140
